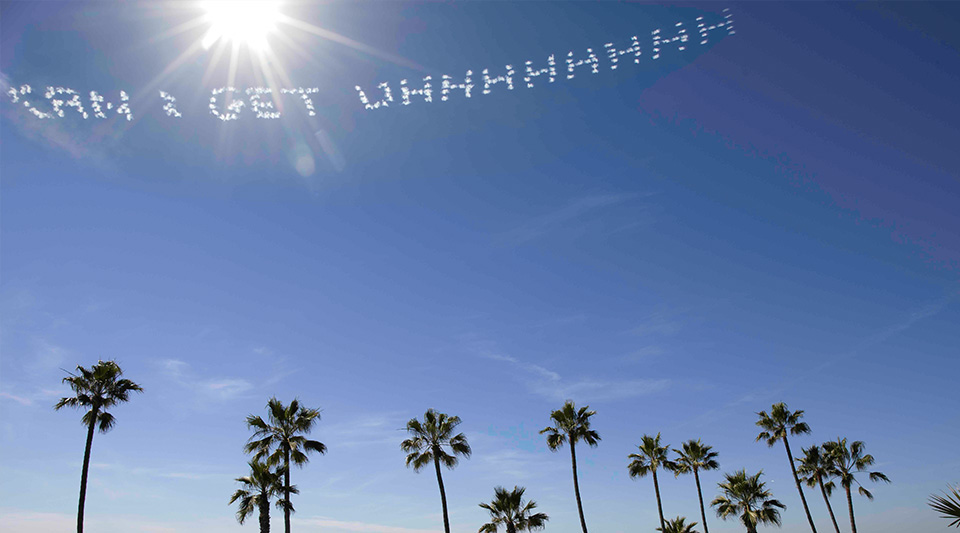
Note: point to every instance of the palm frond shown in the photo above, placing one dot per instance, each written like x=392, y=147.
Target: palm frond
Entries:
x=948, y=505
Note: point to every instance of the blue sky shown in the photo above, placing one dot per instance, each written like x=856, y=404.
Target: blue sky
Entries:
x=678, y=243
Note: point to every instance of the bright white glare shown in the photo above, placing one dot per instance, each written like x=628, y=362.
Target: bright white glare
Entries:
x=240, y=21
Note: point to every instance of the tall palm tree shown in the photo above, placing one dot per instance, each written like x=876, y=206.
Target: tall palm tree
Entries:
x=845, y=462
x=509, y=510
x=694, y=457
x=425, y=446
x=572, y=425
x=97, y=389
x=280, y=441
x=678, y=525
x=948, y=504
x=652, y=456
x=259, y=487
x=776, y=426
x=814, y=470
x=747, y=497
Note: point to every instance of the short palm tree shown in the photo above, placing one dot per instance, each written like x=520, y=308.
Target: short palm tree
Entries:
x=652, y=456
x=747, y=498
x=510, y=511
x=572, y=425
x=845, y=462
x=426, y=445
x=97, y=389
x=694, y=457
x=280, y=441
x=776, y=426
x=678, y=525
x=948, y=504
x=259, y=487
x=814, y=469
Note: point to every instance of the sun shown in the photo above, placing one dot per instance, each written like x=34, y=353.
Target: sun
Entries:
x=240, y=21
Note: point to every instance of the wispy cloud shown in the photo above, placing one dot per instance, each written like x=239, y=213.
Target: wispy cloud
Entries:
x=218, y=388
x=552, y=386
x=567, y=218
x=189, y=472
x=644, y=353
x=659, y=323
x=19, y=399
x=507, y=462
x=365, y=430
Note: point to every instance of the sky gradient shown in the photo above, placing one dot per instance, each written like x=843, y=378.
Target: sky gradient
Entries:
x=678, y=243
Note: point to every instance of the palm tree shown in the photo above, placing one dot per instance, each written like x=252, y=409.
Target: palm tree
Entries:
x=98, y=389
x=572, y=425
x=425, y=446
x=747, y=497
x=844, y=463
x=694, y=457
x=678, y=525
x=776, y=426
x=509, y=510
x=948, y=504
x=814, y=470
x=258, y=487
x=280, y=441
x=651, y=457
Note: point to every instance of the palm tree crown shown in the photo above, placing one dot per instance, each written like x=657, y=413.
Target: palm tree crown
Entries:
x=845, y=463
x=694, y=457
x=430, y=437
x=257, y=489
x=776, y=426
x=678, y=525
x=572, y=425
x=508, y=509
x=814, y=469
x=426, y=444
x=97, y=389
x=779, y=422
x=652, y=456
x=747, y=497
x=279, y=440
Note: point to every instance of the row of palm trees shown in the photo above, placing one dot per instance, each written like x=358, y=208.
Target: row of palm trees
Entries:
x=280, y=441
x=434, y=441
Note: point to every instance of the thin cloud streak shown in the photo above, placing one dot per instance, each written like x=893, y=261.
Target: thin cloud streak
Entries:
x=561, y=218
x=552, y=386
x=214, y=388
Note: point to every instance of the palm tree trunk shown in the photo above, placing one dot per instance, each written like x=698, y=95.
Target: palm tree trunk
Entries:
x=823, y=490
x=264, y=514
x=286, y=490
x=656, y=488
x=703, y=515
x=796, y=479
x=443, y=493
x=576, y=485
x=85, y=471
x=853, y=523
